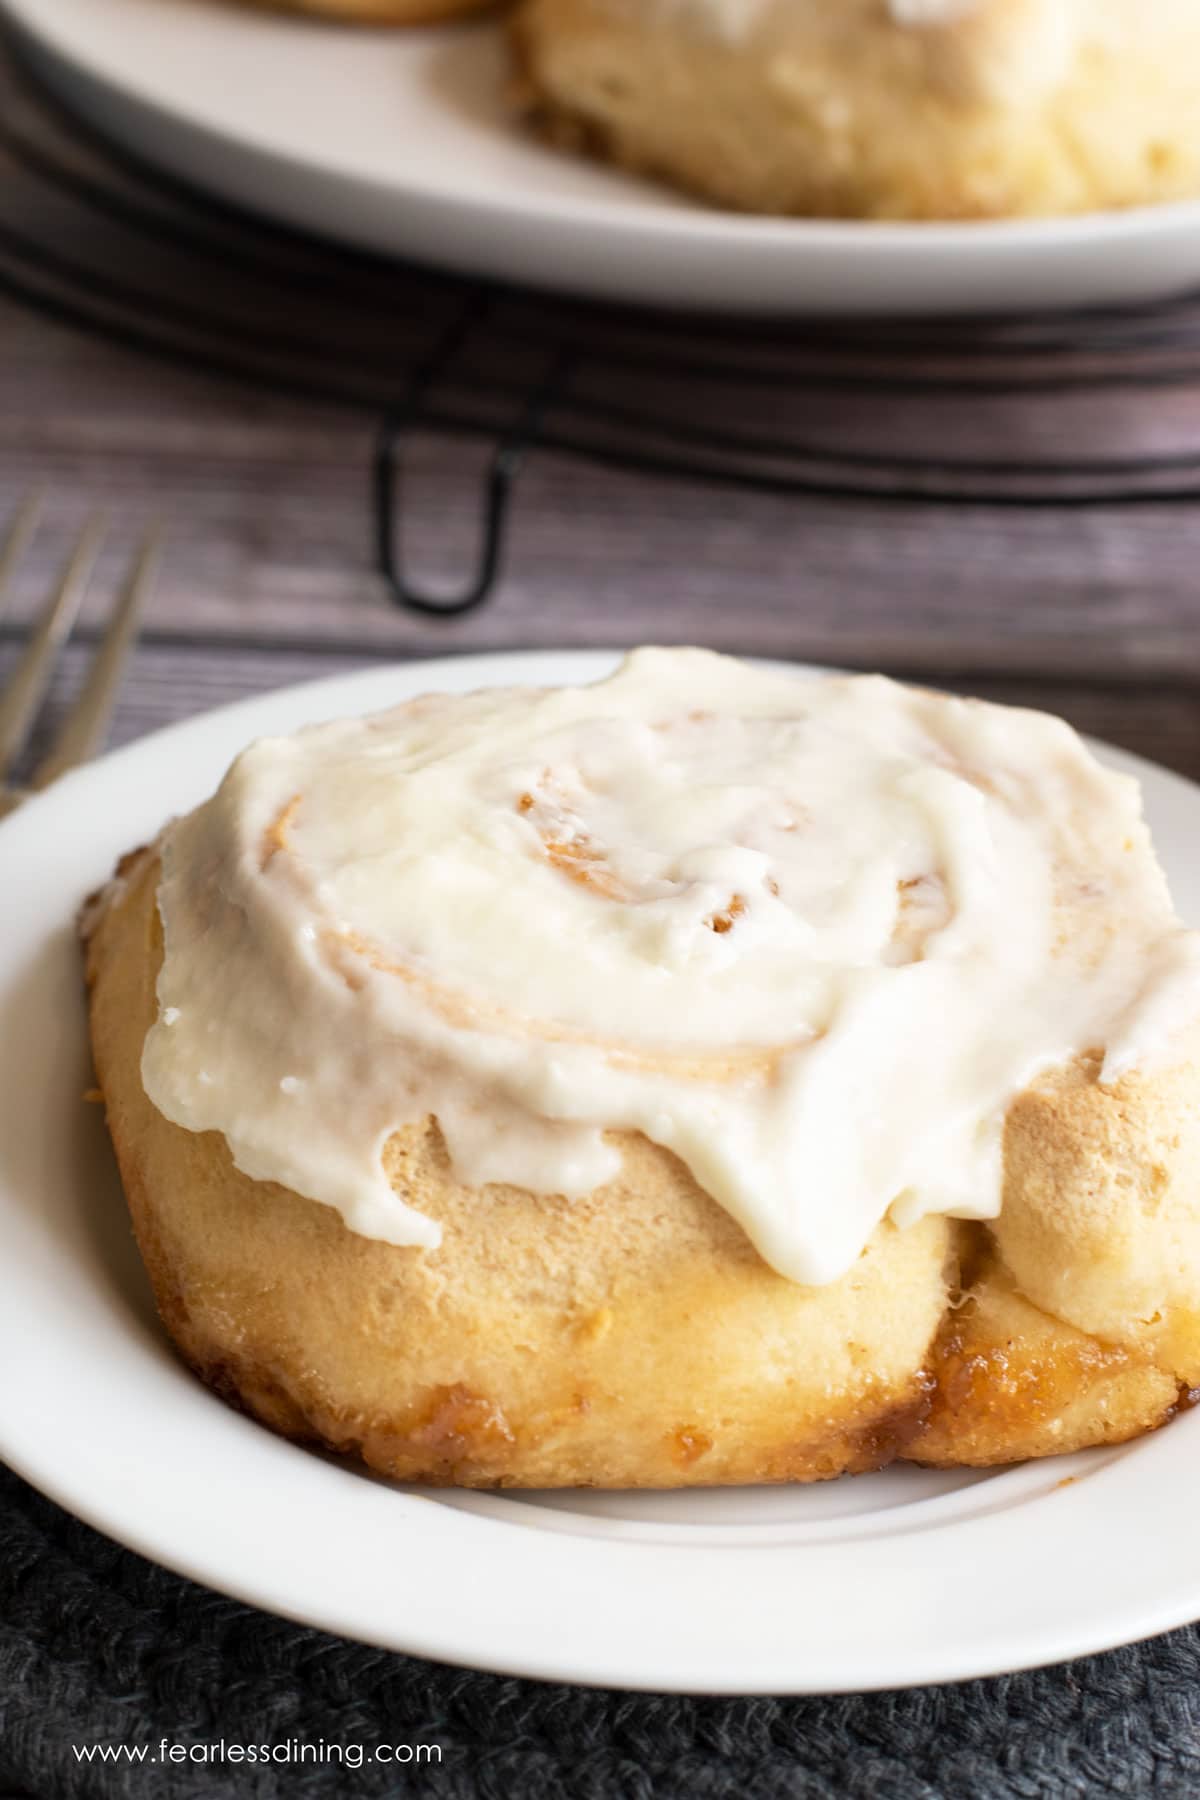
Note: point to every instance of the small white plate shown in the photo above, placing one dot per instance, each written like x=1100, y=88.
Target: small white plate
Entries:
x=402, y=141
x=878, y=1581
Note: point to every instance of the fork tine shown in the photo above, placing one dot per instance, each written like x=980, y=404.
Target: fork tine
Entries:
x=23, y=696
x=85, y=725
x=16, y=541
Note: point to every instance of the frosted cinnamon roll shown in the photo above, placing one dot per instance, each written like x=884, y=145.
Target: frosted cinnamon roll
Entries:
x=701, y=1076
x=888, y=109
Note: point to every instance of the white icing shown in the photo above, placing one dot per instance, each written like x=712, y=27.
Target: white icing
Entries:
x=810, y=936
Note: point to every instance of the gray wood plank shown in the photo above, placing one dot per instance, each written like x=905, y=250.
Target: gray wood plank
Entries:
x=271, y=543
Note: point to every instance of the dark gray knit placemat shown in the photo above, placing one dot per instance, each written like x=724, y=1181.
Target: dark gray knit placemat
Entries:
x=98, y=1646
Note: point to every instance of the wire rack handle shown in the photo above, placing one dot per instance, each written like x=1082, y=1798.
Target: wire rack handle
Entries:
x=504, y=466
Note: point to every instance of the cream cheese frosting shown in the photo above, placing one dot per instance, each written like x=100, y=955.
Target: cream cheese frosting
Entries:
x=812, y=936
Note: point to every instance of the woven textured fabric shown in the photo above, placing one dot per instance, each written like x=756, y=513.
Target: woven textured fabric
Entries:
x=99, y=1647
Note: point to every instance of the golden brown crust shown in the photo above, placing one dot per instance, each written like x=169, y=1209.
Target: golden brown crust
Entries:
x=1099, y=1224
x=1011, y=107
x=633, y=1338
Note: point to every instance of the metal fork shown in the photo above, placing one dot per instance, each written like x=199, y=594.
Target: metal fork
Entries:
x=85, y=725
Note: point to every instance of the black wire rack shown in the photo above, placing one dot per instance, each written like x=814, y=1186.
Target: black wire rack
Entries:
x=856, y=412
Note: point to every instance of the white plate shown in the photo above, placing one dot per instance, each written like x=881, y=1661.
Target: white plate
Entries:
x=401, y=141
x=879, y=1581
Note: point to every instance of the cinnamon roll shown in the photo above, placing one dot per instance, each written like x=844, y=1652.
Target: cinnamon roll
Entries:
x=883, y=109
x=703, y=1076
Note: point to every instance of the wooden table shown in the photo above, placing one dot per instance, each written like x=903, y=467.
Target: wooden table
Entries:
x=270, y=576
